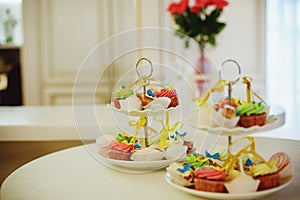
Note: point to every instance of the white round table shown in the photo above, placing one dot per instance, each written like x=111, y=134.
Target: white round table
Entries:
x=75, y=174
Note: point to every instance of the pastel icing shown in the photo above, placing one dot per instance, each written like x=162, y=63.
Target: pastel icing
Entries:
x=222, y=103
x=121, y=94
x=197, y=160
x=250, y=109
x=125, y=139
x=262, y=169
x=210, y=173
x=165, y=93
x=116, y=145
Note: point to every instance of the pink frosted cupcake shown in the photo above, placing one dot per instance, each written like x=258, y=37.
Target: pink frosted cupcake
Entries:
x=170, y=94
x=209, y=180
x=120, y=151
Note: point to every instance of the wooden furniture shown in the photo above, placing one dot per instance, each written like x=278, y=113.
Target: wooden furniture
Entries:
x=10, y=69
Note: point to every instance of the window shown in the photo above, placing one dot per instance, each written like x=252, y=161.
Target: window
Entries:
x=283, y=56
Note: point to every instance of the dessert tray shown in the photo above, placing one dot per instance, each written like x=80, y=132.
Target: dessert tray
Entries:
x=172, y=154
x=135, y=166
x=155, y=111
x=202, y=123
x=223, y=173
x=149, y=147
x=215, y=195
x=224, y=117
x=248, y=174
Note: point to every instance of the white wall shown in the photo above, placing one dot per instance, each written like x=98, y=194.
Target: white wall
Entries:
x=57, y=43
x=244, y=39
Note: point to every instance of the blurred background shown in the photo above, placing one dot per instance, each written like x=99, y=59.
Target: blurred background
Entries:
x=43, y=43
x=51, y=39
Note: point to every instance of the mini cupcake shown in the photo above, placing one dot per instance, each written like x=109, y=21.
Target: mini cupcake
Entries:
x=121, y=94
x=120, y=151
x=209, y=180
x=285, y=168
x=267, y=174
x=170, y=93
x=226, y=117
x=243, y=172
x=251, y=114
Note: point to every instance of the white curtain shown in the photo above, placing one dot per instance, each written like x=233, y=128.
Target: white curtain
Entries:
x=283, y=57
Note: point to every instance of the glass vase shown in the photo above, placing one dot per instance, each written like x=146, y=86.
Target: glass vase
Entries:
x=202, y=72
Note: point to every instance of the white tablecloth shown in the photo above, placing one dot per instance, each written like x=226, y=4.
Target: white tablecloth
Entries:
x=75, y=174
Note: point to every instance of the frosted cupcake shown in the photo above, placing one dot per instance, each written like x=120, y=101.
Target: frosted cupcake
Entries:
x=169, y=93
x=209, y=179
x=251, y=114
x=120, y=151
x=121, y=95
x=226, y=117
x=243, y=172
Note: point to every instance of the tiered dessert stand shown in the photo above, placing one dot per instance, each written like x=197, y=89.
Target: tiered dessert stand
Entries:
x=273, y=121
x=144, y=115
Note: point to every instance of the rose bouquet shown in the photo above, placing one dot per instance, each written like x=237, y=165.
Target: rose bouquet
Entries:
x=199, y=21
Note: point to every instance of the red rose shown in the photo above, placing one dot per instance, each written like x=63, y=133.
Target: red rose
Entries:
x=178, y=8
x=195, y=9
x=204, y=3
x=220, y=4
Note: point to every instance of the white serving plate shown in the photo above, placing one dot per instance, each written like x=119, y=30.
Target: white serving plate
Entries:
x=241, y=131
x=204, y=122
x=135, y=166
x=215, y=195
x=147, y=112
x=173, y=155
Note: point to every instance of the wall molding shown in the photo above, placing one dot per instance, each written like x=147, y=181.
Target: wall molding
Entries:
x=31, y=70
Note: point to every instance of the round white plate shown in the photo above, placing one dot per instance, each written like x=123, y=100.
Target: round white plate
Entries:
x=218, y=130
x=204, y=122
x=147, y=112
x=135, y=166
x=214, y=195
